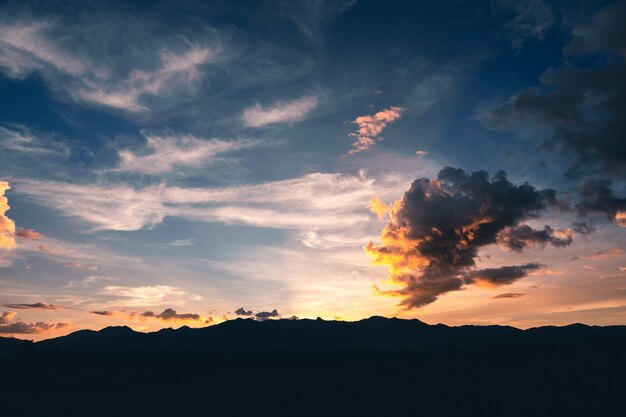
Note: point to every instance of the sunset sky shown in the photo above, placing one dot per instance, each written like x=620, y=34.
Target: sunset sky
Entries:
x=183, y=163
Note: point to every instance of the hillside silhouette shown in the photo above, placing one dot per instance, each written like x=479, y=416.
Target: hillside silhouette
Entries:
x=372, y=367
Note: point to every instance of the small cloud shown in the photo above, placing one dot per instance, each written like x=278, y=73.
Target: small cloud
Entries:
x=6, y=317
x=169, y=315
x=28, y=234
x=529, y=19
x=78, y=265
x=421, y=153
x=243, y=312
x=281, y=112
x=266, y=315
x=509, y=295
x=370, y=128
x=43, y=306
x=102, y=313
x=52, y=250
x=601, y=254
x=182, y=242
x=378, y=207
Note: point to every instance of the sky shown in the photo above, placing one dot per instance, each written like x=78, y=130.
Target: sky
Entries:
x=184, y=162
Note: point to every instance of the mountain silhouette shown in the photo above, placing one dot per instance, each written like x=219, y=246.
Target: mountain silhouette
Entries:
x=373, y=367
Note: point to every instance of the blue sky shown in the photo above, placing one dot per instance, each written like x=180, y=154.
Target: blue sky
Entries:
x=204, y=157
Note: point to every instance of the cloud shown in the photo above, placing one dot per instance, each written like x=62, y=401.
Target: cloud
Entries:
x=169, y=315
x=7, y=226
x=163, y=154
x=583, y=228
x=435, y=232
x=601, y=254
x=151, y=295
x=266, y=315
x=370, y=128
x=421, y=153
x=26, y=47
x=20, y=327
x=378, y=207
x=43, y=306
x=531, y=18
x=281, y=112
x=176, y=69
x=312, y=16
x=605, y=32
x=494, y=277
x=9, y=326
x=78, y=265
x=28, y=234
x=182, y=242
x=167, y=152
x=6, y=317
x=579, y=113
x=509, y=295
x=20, y=139
x=106, y=313
x=598, y=198
x=523, y=236
x=243, y=312
x=315, y=201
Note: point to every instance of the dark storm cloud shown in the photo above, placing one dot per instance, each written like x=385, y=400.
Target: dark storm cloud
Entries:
x=580, y=110
x=43, y=306
x=521, y=237
x=436, y=230
x=501, y=276
x=509, y=295
x=243, y=312
x=171, y=314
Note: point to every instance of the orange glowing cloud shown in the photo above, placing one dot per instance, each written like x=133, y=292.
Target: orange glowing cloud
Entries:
x=7, y=226
x=378, y=207
x=370, y=128
x=620, y=218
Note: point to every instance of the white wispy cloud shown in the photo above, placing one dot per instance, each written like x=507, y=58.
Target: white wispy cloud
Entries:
x=176, y=69
x=281, y=112
x=146, y=296
x=19, y=138
x=530, y=18
x=25, y=48
x=74, y=255
x=314, y=201
x=163, y=153
x=36, y=46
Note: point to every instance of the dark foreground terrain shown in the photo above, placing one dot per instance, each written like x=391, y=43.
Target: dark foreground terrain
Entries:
x=375, y=367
